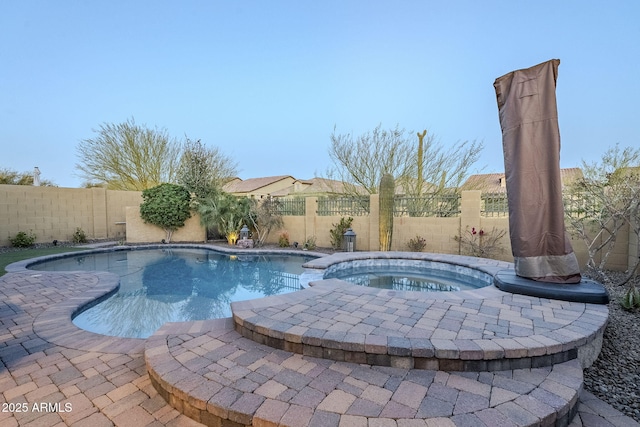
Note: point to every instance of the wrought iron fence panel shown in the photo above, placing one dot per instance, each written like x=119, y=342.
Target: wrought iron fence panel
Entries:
x=494, y=205
x=292, y=206
x=581, y=206
x=575, y=205
x=352, y=206
x=429, y=205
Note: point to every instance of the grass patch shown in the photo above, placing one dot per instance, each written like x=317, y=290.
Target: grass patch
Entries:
x=7, y=258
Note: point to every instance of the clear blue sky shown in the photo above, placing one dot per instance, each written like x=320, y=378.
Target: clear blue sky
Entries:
x=267, y=81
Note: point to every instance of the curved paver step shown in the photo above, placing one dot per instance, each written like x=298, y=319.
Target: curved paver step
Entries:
x=209, y=372
x=480, y=330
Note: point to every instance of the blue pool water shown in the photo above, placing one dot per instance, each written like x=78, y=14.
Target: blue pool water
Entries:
x=407, y=279
x=175, y=285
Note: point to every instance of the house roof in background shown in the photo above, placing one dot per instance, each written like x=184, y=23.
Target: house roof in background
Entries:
x=323, y=185
x=300, y=187
x=313, y=186
x=488, y=182
x=252, y=184
x=495, y=182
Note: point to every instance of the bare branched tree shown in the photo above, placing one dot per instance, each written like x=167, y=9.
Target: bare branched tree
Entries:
x=128, y=156
x=360, y=161
x=204, y=169
x=434, y=172
x=437, y=168
x=602, y=203
x=265, y=217
x=423, y=168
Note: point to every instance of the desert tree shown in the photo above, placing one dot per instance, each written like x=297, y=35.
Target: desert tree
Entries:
x=422, y=170
x=128, y=156
x=433, y=166
x=203, y=169
x=604, y=202
x=360, y=161
x=12, y=177
x=435, y=171
x=166, y=206
x=265, y=217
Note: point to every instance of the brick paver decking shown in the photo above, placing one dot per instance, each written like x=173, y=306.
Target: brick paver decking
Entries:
x=52, y=373
x=84, y=379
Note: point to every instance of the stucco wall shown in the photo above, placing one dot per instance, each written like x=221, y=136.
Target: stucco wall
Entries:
x=117, y=201
x=439, y=233
x=54, y=213
x=139, y=232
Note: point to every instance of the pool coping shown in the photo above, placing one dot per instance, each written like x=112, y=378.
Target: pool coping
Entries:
x=21, y=266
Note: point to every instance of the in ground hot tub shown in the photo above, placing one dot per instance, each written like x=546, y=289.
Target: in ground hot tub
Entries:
x=403, y=271
x=409, y=275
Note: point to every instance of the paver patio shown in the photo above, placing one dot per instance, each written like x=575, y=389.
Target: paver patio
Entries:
x=53, y=373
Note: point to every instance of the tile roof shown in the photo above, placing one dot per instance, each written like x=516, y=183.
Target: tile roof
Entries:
x=495, y=182
x=252, y=184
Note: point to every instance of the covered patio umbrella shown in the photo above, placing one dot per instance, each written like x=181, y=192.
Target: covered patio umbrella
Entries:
x=531, y=143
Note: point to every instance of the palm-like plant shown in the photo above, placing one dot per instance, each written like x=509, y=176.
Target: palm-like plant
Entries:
x=226, y=213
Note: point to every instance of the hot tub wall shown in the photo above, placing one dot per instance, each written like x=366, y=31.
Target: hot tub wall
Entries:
x=481, y=277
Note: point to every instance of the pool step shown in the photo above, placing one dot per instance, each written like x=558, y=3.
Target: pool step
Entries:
x=212, y=374
x=483, y=330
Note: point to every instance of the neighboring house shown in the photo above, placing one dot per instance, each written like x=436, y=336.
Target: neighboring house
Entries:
x=315, y=187
x=288, y=186
x=293, y=190
x=283, y=186
x=259, y=187
x=412, y=189
x=496, y=182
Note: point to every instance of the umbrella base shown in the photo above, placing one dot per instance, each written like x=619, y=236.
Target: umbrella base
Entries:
x=586, y=291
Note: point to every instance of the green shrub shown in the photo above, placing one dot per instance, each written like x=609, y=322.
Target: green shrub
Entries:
x=283, y=240
x=79, y=236
x=22, y=239
x=310, y=243
x=338, y=230
x=417, y=245
x=167, y=206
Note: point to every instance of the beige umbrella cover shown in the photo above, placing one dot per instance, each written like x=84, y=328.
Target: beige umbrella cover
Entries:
x=531, y=143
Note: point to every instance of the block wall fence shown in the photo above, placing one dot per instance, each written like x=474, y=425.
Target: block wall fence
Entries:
x=438, y=232
x=55, y=213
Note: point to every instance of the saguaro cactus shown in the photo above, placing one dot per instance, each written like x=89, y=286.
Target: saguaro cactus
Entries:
x=387, y=191
x=420, y=162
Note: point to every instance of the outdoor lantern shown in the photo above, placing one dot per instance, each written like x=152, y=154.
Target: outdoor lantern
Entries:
x=244, y=233
x=349, y=240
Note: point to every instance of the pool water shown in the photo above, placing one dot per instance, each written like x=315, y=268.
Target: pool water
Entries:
x=176, y=285
x=407, y=279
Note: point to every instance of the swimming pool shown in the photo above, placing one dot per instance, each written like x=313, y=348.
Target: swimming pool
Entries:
x=176, y=285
